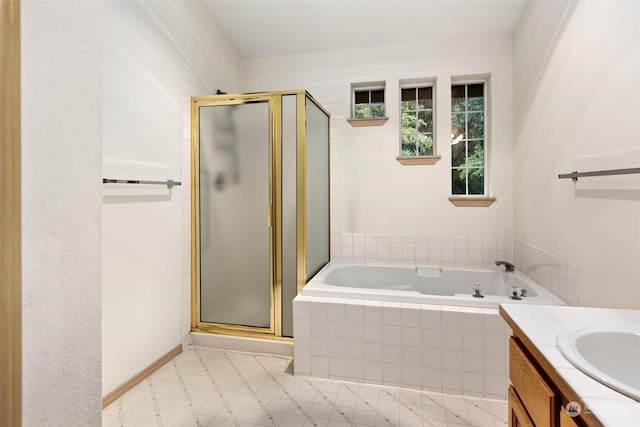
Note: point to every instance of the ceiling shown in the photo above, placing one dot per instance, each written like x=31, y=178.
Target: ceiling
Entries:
x=264, y=28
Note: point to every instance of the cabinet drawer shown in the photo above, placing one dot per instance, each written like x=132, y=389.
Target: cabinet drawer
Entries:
x=533, y=390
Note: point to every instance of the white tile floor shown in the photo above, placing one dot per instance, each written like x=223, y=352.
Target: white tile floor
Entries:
x=207, y=387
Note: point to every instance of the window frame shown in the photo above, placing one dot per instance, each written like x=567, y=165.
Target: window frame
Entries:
x=485, y=136
x=368, y=87
x=417, y=159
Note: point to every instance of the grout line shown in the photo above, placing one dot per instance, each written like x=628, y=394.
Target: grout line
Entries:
x=156, y=407
x=286, y=392
x=186, y=394
x=366, y=402
x=253, y=393
x=407, y=406
x=217, y=387
x=333, y=404
x=120, y=413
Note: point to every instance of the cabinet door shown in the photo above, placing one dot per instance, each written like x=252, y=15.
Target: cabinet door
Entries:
x=534, y=392
x=566, y=420
x=518, y=416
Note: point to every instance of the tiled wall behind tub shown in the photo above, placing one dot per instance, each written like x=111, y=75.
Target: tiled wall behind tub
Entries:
x=447, y=349
x=553, y=273
x=447, y=251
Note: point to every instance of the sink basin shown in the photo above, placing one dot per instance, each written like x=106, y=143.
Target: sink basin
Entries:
x=609, y=354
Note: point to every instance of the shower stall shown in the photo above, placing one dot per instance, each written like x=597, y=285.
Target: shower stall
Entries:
x=260, y=203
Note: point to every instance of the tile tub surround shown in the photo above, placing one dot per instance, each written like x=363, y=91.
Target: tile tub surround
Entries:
x=446, y=349
x=448, y=251
x=555, y=274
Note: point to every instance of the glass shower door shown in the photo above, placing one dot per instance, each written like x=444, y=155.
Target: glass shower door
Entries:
x=235, y=229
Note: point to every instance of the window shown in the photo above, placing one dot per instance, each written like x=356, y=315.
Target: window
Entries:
x=368, y=103
x=468, y=139
x=416, y=118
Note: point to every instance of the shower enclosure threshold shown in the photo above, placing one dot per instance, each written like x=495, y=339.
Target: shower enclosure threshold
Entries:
x=252, y=345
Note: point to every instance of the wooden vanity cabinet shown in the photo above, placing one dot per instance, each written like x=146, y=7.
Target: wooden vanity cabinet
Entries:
x=566, y=420
x=538, y=396
x=518, y=415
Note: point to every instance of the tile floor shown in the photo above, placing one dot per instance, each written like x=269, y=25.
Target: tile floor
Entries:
x=207, y=387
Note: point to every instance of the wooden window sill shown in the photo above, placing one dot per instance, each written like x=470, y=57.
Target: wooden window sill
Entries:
x=471, y=201
x=376, y=121
x=418, y=160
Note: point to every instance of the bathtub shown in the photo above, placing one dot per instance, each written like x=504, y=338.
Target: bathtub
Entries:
x=413, y=327
x=427, y=285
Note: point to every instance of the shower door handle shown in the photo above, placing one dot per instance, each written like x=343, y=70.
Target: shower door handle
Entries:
x=269, y=215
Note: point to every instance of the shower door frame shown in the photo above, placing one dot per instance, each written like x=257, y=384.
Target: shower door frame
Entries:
x=272, y=218
x=275, y=215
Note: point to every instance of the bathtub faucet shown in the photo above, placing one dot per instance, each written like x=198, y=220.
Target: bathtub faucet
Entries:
x=507, y=265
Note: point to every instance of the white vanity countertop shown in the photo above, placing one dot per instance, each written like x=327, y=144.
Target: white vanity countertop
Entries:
x=542, y=324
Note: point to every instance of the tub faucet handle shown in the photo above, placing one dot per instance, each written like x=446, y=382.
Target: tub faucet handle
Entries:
x=515, y=293
x=477, y=291
x=507, y=265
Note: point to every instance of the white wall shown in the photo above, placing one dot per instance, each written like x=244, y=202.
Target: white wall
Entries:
x=576, y=87
x=156, y=56
x=371, y=193
x=61, y=205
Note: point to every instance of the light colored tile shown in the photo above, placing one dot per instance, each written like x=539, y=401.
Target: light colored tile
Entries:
x=373, y=333
x=392, y=314
x=431, y=317
x=318, y=310
x=411, y=356
x=373, y=372
x=373, y=352
x=355, y=370
x=336, y=311
x=432, y=358
x=391, y=335
x=452, y=341
x=432, y=379
x=337, y=348
x=372, y=312
x=411, y=337
x=452, y=360
x=473, y=342
x=355, y=350
x=258, y=392
x=451, y=319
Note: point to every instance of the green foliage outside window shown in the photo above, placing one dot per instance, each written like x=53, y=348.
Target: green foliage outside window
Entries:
x=368, y=104
x=416, y=108
x=363, y=111
x=467, y=139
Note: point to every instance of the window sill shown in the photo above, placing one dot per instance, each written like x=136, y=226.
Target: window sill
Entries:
x=470, y=201
x=418, y=160
x=377, y=121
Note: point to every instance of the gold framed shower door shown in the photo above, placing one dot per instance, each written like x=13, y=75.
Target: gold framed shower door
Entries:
x=273, y=213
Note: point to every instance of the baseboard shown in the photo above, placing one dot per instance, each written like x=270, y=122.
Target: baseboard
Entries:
x=111, y=397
